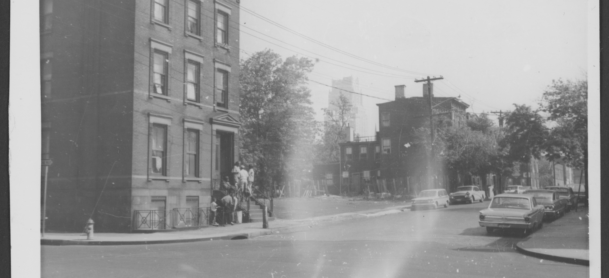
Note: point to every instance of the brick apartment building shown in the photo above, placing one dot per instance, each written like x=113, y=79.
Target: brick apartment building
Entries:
x=392, y=154
x=139, y=108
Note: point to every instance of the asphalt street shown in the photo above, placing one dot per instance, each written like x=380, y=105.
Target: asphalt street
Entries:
x=427, y=243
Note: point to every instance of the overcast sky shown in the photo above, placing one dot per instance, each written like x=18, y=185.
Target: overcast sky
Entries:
x=491, y=53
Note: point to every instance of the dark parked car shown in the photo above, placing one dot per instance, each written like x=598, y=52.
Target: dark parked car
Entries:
x=565, y=193
x=554, y=206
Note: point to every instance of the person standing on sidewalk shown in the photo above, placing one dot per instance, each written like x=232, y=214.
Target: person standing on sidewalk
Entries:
x=229, y=205
x=213, y=207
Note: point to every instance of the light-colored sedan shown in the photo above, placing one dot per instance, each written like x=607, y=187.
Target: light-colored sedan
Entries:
x=512, y=211
x=430, y=198
x=467, y=194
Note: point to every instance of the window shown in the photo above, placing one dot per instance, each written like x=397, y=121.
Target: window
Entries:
x=348, y=153
x=363, y=152
x=159, y=150
x=222, y=27
x=385, y=119
x=386, y=146
x=47, y=16
x=221, y=88
x=160, y=72
x=46, y=68
x=377, y=152
x=193, y=70
x=192, y=153
x=161, y=11
x=193, y=17
x=366, y=174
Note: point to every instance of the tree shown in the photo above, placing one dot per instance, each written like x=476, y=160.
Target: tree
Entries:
x=526, y=134
x=337, y=118
x=567, y=104
x=278, y=125
x=480, y=122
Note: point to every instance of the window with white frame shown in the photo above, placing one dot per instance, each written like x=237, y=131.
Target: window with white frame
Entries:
x=221, y=85
x=193, y=17
x=161, y=11
x=158, y=152
x=193, y=69
x=348, y=154
x=222, y=21
x=192, y=153
x=159, y=71
x=386, y=146
x=385, y=119
x=377, y=152
x=363, y=152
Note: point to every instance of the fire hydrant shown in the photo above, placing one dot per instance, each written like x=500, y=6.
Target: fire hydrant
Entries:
x=89, y=229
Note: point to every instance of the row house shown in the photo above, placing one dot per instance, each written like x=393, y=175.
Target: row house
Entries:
x=140, y=110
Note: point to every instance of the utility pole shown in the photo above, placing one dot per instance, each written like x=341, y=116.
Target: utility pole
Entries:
x=430, y=181
x=500, y=112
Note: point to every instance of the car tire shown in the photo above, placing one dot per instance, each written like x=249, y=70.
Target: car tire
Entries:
x=481, y=199
x=526, y=231
x=489, y=230
x=446, y=204
x=540, y=225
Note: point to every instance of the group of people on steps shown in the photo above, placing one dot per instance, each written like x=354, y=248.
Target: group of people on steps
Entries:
x=243, y=180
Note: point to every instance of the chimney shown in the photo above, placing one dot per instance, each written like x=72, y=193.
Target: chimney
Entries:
x=399, y=91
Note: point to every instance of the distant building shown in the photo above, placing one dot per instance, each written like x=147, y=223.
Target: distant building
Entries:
x=357, y=119
x=140, y=109
x=391, y=154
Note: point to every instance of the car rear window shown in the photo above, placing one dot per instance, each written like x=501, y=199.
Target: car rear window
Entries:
x=430, y=193
x=511, y=202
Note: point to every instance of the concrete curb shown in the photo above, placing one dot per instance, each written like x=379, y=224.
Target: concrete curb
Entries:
x=552, y=257
x=303, y=225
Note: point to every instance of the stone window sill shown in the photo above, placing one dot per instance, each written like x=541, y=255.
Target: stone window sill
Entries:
x=163, y=24
x=158, y=179
x=222, y=45
x=199, y=105
x=155, y=95
x=195, y=36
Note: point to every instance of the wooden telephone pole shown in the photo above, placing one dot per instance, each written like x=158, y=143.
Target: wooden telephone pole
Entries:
x=500, y=112
x=430, y=180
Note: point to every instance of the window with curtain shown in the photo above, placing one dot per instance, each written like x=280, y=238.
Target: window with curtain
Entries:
x=158, y=155
x=160, y=68
x=193, y=70
x=194, y=17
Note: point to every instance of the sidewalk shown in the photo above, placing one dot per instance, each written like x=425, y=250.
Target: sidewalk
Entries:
x=237, y=231
x=565, y=239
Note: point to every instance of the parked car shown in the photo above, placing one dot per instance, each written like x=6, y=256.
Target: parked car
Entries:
x=512, y=211
x=565, y=193
x=467, y=194
x=430, y=198
x=554, y=206
x=516, y=189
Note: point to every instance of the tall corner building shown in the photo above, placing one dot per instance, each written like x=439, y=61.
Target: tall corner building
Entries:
x=349, y=87
x=140, y=109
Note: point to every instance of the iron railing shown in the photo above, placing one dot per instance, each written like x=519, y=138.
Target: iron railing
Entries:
x=184, y=217
x=149, y=220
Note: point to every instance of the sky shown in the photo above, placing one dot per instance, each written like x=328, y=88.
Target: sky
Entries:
x=490, y=53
